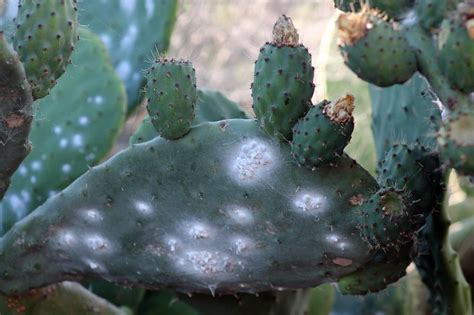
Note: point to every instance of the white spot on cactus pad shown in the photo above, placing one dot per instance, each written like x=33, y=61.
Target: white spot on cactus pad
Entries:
x=57, y=130
x=23, y=170
x=128, y=6
x=97, y=243
x=92, y=215
x=17, y=203
x=63, y=142
x=33, y=179
x=83, y=120
x=99, y=99
x=66, y=168
x=309, y=203
x=25, y=195
x=66, y=237
x=172, y=244
x=129, y=38
x=36, y=165
x=77, y=140
x=205, y=262
x=336, y=240
x=198, y=230
x=150, y=8
x=143, y=207
x=93, y=264
x=123, y=69
x=253, y=158
x=241, y=244
x=106, y=40
x=241, y=215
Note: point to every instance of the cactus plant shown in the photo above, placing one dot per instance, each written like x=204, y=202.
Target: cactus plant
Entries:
x=209, y=203
x=407, y=116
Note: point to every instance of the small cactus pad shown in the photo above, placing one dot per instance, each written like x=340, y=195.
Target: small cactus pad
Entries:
x=283, y=81
x=46, y=32
x=456, y=141
x=374, y=49
x=171, y=96
x=63, y=298
x=239, y=216
x=456, y=44
x=386, y=221
x=15, y=114
x=323, y=133
x=74, y=128
x=416, y=169
x=130, y=29
x=211, y=106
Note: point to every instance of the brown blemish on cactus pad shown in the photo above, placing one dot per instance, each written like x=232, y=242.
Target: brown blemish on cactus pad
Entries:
x=344, y=262
x=341, y=110
x=284, y=32
x=14, y=121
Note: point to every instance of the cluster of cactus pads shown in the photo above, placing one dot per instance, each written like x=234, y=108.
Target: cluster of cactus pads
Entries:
x=210, y=202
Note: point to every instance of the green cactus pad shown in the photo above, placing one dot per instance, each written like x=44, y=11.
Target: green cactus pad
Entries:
x=46, y=32
x=394, y=9
x=283, y=85
x=15, y=114
x=416, y=169
x=430, y=13
x=74, y=128
x=386, y=219
x=404, y=114
x=211, y=106
x=456, y=51
x=59, y=299
x=171, y=96
x=456, y=141
x=130, y=30
x=374, y=49
x=237, y=217
x=323, y=133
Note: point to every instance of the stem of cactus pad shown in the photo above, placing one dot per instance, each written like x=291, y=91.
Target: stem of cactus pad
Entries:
x=15, y=114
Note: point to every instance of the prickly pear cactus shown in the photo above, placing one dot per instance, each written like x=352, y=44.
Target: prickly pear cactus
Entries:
x=231, y=207
x=322, y=134
x=171, y=96
x=406, y=124
x=46, y=33
x=89, y=100
x=374, y=50
x=283, y=81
